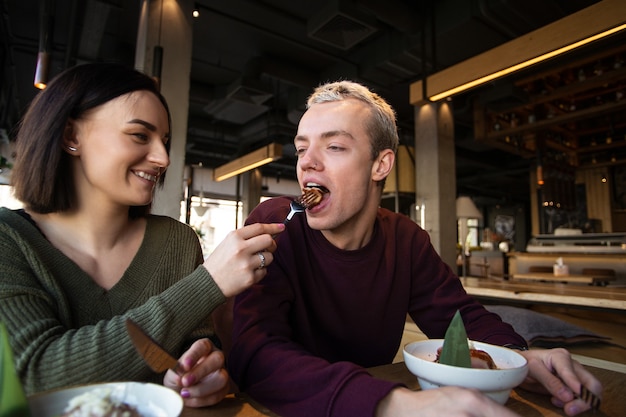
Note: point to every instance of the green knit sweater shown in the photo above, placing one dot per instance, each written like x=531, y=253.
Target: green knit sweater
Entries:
x=66, y=330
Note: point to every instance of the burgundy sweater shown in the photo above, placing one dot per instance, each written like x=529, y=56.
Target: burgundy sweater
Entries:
x=304, y=335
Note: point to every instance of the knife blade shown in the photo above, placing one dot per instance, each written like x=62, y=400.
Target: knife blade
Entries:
x=157, y=358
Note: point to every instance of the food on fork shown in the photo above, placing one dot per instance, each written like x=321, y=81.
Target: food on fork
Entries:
x=312, y=195
x=98, y=403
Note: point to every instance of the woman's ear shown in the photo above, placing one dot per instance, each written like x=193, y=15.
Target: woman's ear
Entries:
x=383, y=164
x=70, y=142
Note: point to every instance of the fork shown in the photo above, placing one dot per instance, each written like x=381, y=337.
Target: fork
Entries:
x=307, y=200
x=589, y=397
x=294, y=208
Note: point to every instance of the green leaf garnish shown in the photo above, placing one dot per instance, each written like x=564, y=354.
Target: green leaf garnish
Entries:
x=13, y=402
x=455, y=351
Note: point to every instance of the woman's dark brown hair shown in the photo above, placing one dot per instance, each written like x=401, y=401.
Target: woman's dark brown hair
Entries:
x=42, y=177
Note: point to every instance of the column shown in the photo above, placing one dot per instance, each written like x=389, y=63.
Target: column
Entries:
x=251, y=190
x=168, y=23
x=435, y=176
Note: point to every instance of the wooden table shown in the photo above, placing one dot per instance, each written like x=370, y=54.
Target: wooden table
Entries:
x=522, y=402
x=238, y=405
x=573, y=278
x=547, y=293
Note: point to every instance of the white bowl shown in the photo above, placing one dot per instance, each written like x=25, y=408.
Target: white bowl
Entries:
x=151, y=400
x=420, y=357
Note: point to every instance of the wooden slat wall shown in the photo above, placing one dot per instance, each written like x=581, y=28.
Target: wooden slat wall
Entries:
x=598, y=195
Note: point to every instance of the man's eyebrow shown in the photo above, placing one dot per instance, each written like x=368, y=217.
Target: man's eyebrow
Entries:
x=326, y=135
x=147, y=125
x=334, y=133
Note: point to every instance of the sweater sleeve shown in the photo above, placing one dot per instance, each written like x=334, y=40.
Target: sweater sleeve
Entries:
x=280, y=373
x=437, y=293
x=59, y=343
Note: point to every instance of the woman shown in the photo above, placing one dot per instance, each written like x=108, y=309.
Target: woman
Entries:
x=85, y=254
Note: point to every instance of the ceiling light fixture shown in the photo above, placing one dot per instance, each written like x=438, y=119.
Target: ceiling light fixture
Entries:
x=588, y=25
x=196, y=11
x=42, y=70
x=540, y=180
x=466, y=209
x=254, y=159
x=527, y=63
x=46, y=20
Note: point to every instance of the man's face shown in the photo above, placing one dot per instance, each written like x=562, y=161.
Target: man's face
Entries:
x=334, y=151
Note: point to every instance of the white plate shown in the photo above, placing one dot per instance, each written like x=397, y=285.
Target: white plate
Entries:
x=151, y=400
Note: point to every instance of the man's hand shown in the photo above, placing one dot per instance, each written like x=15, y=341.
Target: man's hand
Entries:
x=555, y=372
x=446, y=401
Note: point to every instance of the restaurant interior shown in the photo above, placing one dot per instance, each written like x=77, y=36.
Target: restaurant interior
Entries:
x=538, y=154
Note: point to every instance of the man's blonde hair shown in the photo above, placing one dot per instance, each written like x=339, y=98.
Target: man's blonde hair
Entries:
x=381, y=126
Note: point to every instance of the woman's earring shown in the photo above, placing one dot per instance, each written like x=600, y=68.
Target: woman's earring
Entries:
x=71, y=149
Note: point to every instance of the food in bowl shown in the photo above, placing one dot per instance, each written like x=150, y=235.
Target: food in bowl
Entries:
x=99, y=403
x=482, y=360
x=512, y=368
x=479, y=359
x=150, y=400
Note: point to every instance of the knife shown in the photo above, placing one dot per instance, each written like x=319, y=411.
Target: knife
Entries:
x=157, y=358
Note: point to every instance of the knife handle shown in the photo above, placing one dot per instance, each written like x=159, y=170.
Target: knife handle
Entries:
x=178, y=369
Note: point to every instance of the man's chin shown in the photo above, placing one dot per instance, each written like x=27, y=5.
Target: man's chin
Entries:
x=317, y=223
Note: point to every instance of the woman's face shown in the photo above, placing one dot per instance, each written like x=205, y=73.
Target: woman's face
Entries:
x=120, y=150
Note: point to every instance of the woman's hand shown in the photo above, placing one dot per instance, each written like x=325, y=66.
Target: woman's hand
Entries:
x=204, y=381
x=555, y=372
x=240, y=259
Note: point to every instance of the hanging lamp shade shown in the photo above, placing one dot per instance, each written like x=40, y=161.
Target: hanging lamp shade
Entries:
x=466, y=209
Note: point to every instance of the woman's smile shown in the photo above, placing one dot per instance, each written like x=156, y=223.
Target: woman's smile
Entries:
x=146, y=176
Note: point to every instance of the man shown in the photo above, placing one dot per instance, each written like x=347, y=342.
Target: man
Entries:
x=345, y=275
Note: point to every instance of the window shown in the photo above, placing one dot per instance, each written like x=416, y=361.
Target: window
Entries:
x=7, y=199
x=212, y=219
x=468, y=232
x=472, y=235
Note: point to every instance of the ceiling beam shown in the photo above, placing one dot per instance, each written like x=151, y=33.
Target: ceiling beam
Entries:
x=587, y=22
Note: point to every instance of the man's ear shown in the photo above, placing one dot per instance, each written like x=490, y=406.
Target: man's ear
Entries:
x=383, y=164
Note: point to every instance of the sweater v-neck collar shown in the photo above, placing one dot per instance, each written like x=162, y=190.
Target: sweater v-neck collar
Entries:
x=77, y=281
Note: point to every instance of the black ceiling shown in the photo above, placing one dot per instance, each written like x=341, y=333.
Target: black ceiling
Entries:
x=254, y=62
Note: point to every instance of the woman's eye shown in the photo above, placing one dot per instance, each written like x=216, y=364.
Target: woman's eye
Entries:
x=141, y=136
x=300, y=151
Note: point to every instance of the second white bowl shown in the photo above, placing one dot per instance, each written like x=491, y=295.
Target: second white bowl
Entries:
x=420, y=357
